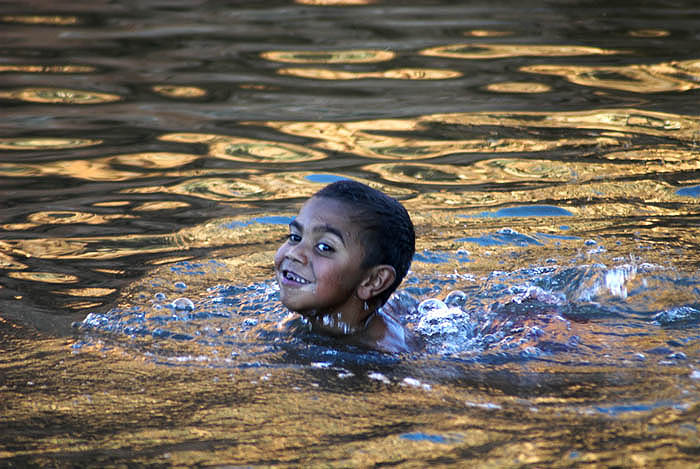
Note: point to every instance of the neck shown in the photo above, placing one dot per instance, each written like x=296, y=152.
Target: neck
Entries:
x=342, y=324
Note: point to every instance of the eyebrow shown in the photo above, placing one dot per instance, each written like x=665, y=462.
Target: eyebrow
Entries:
x=320, y=229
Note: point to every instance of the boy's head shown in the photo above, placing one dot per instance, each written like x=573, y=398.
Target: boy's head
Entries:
x=386, y=230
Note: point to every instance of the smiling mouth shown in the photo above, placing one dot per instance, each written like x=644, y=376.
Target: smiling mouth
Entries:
x=291, y=276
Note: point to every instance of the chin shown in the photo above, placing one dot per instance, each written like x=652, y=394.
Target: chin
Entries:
x=294, y=307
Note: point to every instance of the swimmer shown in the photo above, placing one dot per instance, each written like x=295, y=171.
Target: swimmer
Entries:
x=347, y=251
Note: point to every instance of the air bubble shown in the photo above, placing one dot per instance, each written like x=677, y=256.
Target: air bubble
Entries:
x=180, y=285
x=456, y=298
x=183, y=304
x=160, y=296
x=431, y=305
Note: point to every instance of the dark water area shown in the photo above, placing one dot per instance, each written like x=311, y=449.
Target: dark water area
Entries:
x=152, y=154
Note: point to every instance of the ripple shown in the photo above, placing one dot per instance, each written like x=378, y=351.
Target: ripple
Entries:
x=682, y=127
x=248, y=150
x=291, y=185
x=220, y=189
x=526, y=211
x=416, y=173
x=164, y=205
x=112, y=203
x=40, y=143
x=487, y=33
x=105, y=169
x=46, y=68
x=96, y=292
x=518, y=87
x=7, y=262
x=59, y=96
x=656, y=78
x=649, y=33
x=41, y=19
x=46, y=277
x=71, y=217
x=496, y=51
x=369, y=138
x=352, y=56
x=180, y=92
x=396, y=74
x=158, y=160
x=94, y=247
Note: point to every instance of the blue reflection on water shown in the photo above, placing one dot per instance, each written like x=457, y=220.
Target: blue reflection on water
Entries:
x=692, y=191
x=325, y=178
x=271, y=220
x=440, y=257
x=617, y=410
x=524, y=211
x=503, y=237
x=424, y=437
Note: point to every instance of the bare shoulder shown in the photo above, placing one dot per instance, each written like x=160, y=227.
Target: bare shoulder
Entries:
x=385, y=333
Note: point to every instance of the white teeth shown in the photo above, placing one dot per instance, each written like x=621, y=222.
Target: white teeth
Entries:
x=294, y=277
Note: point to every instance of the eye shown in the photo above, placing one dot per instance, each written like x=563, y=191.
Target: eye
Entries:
x=324, y=248
x=293, y=238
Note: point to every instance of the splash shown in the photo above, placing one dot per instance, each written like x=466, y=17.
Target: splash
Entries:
x=565, y=314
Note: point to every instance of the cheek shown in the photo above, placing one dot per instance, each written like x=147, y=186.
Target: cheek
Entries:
x=279, y=255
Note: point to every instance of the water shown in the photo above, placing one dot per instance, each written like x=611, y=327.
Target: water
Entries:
x=153, y=154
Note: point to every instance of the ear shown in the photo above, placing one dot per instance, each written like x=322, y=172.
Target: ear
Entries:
x=379, y=278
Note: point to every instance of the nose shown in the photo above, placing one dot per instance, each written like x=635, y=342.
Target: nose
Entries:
x=296, y=252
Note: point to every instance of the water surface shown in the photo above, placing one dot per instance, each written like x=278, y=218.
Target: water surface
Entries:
x=152, y=155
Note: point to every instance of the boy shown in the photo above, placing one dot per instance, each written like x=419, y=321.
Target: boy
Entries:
x=348, y=249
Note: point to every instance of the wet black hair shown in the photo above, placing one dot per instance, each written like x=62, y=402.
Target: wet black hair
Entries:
x=386, y=229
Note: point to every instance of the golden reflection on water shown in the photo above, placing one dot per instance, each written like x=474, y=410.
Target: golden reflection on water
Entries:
x=487, y=33
x=497, y=51
x=42, y=143
x=10, y=263
x=518, y=87
x=189, y=416
x=649, y=33
x=86, y=291
x=679, y=127
x=59, y=96
x=353, y=56
x=46, y=277
x=112, y=203
x=157, y=160
x=248, y=150
x=654, y=78
x=103, y=169
x=70, y=217
x=271, y=186
x=164, y=205
x=40, y=19
x=220, y=189
x=180, y=92
x=91, y=247
x=46, y=68
x=363, y=138
x=396, y=74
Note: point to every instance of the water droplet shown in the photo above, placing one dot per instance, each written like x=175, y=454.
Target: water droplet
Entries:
x=180, y=285
x=160, y=296
x=183, y=304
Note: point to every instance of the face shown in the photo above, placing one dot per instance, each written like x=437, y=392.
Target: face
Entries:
x=319, y=266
